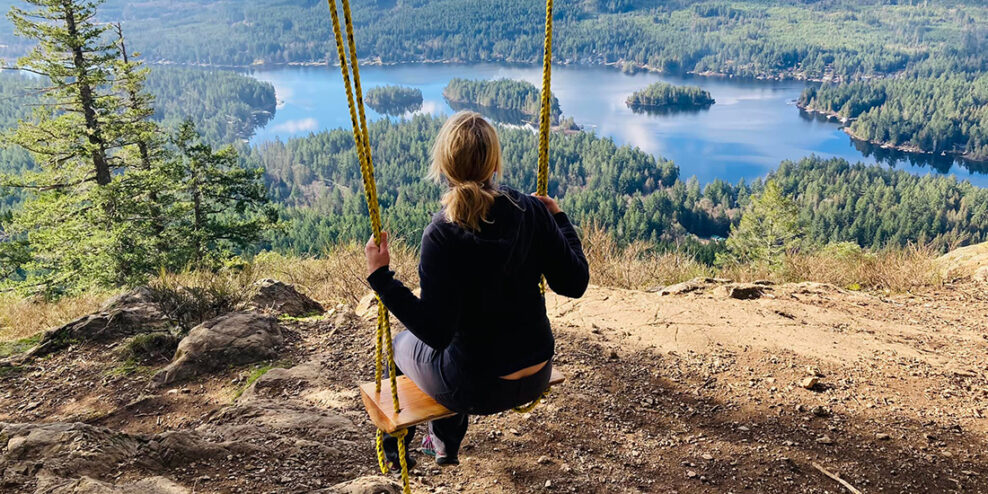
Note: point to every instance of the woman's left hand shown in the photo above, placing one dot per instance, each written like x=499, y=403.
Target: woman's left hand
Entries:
x=377, y=255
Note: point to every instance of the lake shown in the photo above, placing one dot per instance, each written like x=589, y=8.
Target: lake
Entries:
x=753, y=126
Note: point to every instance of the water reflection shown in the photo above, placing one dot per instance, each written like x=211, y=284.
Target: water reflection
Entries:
x=501, y=115
x=395, y=109
x=668, y=110
x=895, y=158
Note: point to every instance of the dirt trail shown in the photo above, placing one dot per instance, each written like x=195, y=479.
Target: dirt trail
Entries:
x=685, y=393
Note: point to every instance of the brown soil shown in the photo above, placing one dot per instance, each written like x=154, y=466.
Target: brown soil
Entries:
x=680, y=393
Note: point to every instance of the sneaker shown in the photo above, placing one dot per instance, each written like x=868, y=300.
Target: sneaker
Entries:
x=429, y=448
x=447, y=460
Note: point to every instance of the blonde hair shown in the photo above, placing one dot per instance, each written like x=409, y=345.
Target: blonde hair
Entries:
x=467, y=153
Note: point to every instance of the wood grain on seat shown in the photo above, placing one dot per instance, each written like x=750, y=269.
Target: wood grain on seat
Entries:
x=416, y=406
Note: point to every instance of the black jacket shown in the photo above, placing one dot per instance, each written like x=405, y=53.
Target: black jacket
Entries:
x=480, y=299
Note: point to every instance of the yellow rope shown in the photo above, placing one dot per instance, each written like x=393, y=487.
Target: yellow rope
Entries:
x=542, y=186
x=402, y=457
x=361, y=138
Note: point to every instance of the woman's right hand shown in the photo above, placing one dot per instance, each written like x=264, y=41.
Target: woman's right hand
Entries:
x=550, y=203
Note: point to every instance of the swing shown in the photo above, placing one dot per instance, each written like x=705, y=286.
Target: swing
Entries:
x=418, y=408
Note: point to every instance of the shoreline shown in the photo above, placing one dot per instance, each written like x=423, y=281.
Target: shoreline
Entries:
x=621, y=66
x=846, y=128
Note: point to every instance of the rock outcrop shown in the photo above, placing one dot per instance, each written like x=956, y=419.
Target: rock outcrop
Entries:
x=236, y=338
x=365, y=485
x=53, y=451
x=971, y=260
x=123, y=316
x=283, y=299
x=87, y=485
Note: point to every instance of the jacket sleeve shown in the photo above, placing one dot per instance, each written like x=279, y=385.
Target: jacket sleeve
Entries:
x=563, y=263
x=434, y=316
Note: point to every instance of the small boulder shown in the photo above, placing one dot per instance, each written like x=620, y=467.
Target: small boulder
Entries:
x=687, y=286
x=123, y=316
x=283, y=299
x=810, y=382
x=236, y=338
x=741, y=291
x=61, y=450
x=367, y=306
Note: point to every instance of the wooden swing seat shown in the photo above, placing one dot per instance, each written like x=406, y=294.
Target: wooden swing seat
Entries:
x=416, y=406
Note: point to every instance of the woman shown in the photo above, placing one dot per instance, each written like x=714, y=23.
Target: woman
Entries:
x=478, y=339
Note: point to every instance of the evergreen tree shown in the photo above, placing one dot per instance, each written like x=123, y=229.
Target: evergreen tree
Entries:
x=219, y=206
x=68, y=217
x=769, y=228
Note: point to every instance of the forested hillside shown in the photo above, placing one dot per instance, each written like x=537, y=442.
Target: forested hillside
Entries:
x=227, y=106
x=791, y=38
x=633, y=195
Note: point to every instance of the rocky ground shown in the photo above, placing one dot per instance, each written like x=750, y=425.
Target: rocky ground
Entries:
x=706, y=386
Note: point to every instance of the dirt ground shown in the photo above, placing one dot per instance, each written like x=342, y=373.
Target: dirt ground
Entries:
x=682, y=393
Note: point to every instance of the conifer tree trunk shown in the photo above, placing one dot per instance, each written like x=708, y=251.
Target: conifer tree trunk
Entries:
x=87, y=101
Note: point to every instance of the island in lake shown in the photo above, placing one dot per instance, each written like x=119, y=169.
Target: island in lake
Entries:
x=662, y=97
x=394, y=100
x=504, y=100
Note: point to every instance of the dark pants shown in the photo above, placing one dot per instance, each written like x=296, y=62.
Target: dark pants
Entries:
x=460, y=391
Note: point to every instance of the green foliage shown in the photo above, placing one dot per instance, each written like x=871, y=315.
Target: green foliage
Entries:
x=71, y=214
x=256, y=374
x=394, y=100
x=664, y=96
x=769, y=229
x=150, y=347
x=127, y=368
x=8, y=348
x=225, y=106
x=318, y=180
x=504, y=100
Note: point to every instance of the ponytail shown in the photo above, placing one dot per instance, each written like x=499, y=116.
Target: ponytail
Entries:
x=467, y=153
x=468, y=203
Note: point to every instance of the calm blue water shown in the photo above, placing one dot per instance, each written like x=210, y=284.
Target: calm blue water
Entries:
x=753, y=126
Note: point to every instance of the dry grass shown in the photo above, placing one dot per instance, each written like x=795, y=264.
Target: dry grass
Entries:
x=846, y=265
x=21, y=317
x=339, y=275
x=635, y=267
